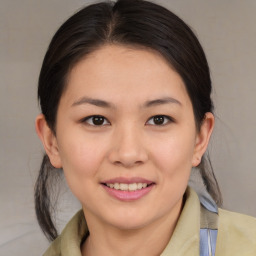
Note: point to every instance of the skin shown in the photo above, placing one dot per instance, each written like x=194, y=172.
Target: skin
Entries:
x=128, y=144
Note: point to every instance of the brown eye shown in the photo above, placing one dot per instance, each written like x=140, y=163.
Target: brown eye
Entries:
x=96, y=120
x=159, y=120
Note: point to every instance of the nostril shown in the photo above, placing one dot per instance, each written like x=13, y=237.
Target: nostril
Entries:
x=127, y=163
x=118, y=163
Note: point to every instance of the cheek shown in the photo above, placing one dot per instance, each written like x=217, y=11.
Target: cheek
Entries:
x=173, y=157
x=174, y=161
x=80, y=157
x=174, y=152
x=80, y=162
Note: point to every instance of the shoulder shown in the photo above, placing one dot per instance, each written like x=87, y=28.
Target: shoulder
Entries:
x=68, y=243
x=54, y=249
x=238, y=223
x=236, y=234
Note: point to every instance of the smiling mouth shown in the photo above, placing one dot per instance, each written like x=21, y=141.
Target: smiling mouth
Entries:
x=127, y=187
x=128, y=190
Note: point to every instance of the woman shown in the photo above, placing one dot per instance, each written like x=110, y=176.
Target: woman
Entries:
x=126, y=113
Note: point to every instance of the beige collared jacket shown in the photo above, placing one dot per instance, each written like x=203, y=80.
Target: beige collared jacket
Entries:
x=236, y=233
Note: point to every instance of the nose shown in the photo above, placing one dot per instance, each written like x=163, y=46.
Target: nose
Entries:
x=128, y=148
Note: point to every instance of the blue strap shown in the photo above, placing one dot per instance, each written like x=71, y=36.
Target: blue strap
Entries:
x=208, y=238
x=208, y=235
x=208, y=215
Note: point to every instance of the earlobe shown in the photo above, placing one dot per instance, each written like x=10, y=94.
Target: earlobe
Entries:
x=48, y=140
x=203, y=138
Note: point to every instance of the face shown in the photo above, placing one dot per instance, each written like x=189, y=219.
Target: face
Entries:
x=126, y=137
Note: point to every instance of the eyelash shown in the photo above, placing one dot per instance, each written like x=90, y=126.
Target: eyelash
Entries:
x=167, y=120
x=89, y=120
x=86, y=120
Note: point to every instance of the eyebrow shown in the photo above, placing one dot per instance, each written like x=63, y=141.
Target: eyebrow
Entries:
x=161, y=101
x=105, y=104
x=95, y=102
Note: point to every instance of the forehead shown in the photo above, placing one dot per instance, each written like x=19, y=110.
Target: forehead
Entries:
x=118, y=72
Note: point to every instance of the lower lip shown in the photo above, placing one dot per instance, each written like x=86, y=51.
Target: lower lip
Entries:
x=128, y=195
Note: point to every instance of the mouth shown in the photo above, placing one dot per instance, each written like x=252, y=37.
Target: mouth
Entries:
x=128, y=189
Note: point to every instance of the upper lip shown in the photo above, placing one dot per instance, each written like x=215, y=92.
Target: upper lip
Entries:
x=127, y=180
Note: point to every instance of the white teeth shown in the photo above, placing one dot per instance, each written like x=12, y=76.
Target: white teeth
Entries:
x=127, y=187
x=133, y=187
x=123, y=186
x=116, y=186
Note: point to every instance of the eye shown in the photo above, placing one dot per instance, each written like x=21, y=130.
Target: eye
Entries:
x=96, y=120
x=159, y=120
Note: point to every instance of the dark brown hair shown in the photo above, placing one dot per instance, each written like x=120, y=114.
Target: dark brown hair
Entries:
x=135, y=23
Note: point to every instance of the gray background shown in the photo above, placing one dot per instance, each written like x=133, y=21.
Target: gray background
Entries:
x=226, y=29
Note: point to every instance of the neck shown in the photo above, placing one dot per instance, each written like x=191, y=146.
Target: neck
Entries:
x=148, y=240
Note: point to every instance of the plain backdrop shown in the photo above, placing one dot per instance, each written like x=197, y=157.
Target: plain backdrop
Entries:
x=226, y=29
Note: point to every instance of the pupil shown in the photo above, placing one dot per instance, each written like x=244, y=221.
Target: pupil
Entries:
x=98, y=120
x=158, y=120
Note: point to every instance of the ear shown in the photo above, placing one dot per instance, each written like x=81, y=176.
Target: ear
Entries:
x=48, y=140
x=202, y=138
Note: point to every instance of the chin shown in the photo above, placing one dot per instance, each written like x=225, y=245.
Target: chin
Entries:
x=131, y=222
